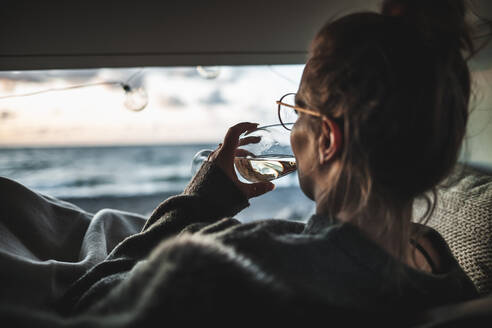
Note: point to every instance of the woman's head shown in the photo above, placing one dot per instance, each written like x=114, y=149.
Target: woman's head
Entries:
x=398, y=86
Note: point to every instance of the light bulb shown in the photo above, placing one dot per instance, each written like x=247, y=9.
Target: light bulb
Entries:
x=135, y=99
x=198, y=160
x=208, y=72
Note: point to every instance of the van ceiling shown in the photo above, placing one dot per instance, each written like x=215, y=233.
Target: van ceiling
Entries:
x=88, y=34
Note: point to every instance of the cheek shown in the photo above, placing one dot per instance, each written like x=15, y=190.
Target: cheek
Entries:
x=299, y=140
x=293, y=141
x=302, y=148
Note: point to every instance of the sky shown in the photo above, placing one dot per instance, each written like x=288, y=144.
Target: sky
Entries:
x=185, y=104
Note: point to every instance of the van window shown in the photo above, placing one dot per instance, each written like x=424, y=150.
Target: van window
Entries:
x=82, y=135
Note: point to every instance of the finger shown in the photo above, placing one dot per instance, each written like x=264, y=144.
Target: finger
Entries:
x=243, y=153
x=213, y=155
x=231, y=138
x=259, y=188
x=249, y=140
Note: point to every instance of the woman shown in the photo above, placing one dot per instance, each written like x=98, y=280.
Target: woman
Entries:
x=383, y=106
x=390, y=97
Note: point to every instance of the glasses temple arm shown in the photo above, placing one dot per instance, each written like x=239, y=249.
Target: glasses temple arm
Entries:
x=307, y=111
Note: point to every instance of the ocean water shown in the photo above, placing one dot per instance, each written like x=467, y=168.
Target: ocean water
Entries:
x=82, y=172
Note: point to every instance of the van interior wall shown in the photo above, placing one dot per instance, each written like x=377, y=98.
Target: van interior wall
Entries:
x=477, y=148
x=92, y=33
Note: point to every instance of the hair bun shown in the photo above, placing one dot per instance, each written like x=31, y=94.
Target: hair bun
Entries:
x=440, y=22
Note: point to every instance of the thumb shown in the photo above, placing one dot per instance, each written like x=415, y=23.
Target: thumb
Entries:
x=260, y=188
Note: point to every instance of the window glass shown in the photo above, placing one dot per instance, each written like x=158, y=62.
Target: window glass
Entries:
x=80, y=135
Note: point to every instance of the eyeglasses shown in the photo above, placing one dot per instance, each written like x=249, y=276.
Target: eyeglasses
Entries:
x=288, y=111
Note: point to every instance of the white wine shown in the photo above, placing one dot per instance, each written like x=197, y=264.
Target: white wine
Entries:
x=265, y=168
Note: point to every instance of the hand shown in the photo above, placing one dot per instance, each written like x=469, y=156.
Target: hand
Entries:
x=224, y=155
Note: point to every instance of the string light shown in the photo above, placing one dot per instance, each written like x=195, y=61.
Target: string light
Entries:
x=136, y=99
x=208, y=72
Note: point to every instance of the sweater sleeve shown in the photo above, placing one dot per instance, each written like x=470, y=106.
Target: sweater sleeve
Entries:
x=210, y=196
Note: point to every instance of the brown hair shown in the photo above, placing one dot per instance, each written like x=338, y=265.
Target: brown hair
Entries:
x=398, y=84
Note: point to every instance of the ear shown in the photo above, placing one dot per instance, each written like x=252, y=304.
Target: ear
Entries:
x=330, y=140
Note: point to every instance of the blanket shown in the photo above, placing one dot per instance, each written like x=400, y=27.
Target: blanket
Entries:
x=192, y=262
x=47, y=244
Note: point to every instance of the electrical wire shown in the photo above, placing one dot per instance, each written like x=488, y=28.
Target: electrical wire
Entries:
x=59, y=89
x=125, y=85
x=281, y=75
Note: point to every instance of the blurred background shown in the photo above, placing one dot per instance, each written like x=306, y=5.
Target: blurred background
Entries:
x=79, y=136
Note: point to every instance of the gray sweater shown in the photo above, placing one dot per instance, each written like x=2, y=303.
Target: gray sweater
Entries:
x=193, y=260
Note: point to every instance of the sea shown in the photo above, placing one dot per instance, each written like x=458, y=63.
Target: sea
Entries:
x=131, y=172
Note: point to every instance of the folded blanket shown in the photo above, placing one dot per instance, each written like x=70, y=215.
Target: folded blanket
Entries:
x=47, y=244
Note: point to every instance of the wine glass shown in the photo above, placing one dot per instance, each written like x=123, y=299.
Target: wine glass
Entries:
x=268, y=159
